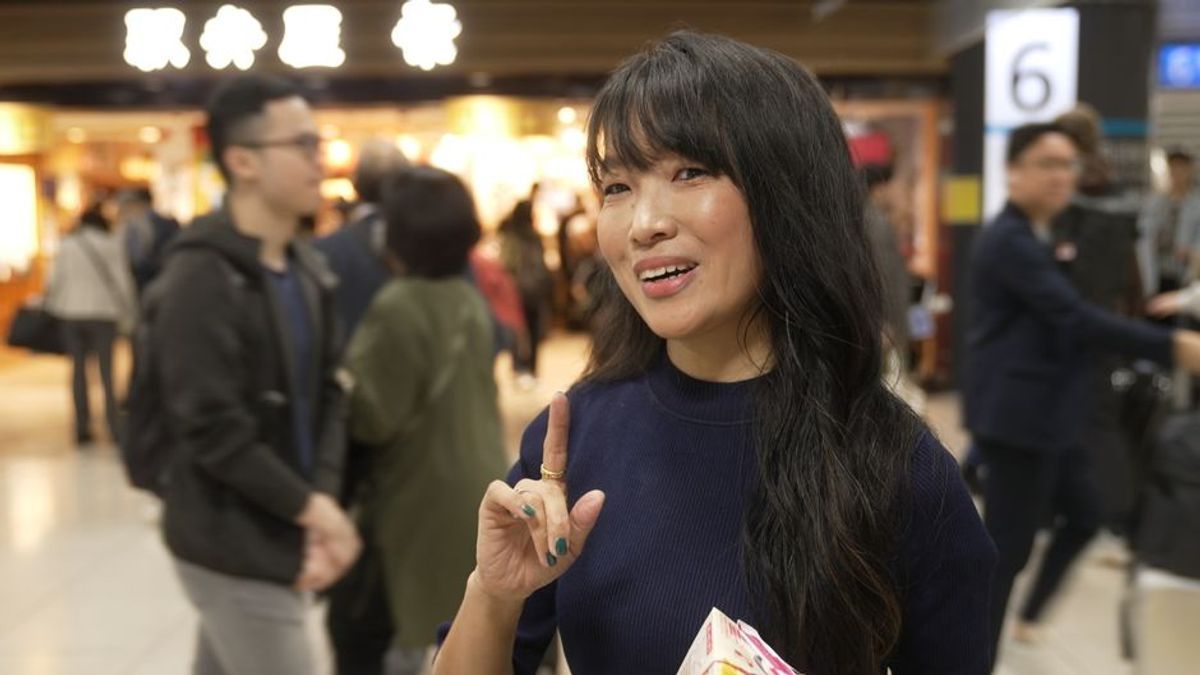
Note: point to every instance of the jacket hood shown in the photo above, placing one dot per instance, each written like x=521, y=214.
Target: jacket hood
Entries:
x=216, y=232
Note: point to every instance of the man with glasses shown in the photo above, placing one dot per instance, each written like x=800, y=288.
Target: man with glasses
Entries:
x=1030, y=340
x=243, y=342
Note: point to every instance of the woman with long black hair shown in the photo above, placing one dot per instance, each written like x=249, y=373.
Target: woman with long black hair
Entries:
x=732, y=443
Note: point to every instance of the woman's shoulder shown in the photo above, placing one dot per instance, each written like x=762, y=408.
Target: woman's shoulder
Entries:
x=936, y=487
x=942, y=520
x=932, y=468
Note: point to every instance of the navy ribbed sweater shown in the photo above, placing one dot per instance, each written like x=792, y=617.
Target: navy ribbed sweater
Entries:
x=670, y=453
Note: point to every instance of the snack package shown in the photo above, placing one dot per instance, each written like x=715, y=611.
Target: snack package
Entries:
x=723, y=647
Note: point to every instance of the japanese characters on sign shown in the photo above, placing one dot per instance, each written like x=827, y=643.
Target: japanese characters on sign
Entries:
x=312, y=36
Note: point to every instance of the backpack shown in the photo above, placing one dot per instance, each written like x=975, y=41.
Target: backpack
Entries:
x=145, y=438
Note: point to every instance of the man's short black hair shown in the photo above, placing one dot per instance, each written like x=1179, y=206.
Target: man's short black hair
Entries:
x=1180, y=155
x=1027, y=134
x=431, y=221
x=234, y=104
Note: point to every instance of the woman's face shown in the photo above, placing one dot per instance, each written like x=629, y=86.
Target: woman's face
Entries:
x=680, y=245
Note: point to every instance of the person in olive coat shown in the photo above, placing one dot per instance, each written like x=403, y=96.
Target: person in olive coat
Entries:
x=424, y=400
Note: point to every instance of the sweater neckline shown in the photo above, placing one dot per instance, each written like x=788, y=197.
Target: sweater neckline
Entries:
x=700, y=401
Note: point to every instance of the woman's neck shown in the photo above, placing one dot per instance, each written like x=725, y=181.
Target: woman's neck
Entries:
x=725, y=355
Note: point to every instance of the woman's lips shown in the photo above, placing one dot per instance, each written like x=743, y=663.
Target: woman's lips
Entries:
x=658, y=289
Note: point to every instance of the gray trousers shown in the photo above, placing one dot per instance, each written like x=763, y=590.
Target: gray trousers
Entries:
x=84, y=339
x=247, y=627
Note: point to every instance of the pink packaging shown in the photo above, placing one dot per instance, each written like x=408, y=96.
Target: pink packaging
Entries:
x=723, y=647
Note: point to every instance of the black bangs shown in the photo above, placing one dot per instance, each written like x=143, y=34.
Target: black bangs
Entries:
x=659, y=102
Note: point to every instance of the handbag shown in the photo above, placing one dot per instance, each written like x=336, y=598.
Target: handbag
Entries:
x=36, y=329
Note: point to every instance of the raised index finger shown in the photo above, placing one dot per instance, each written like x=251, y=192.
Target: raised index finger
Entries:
x=554, y=449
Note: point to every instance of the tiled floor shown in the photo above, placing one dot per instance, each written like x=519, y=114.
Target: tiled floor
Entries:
x=85, y=586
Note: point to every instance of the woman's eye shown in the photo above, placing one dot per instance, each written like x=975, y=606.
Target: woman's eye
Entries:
x=614, y=189
x=690, y=173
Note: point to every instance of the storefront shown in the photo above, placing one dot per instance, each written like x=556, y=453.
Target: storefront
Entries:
x=24, y=142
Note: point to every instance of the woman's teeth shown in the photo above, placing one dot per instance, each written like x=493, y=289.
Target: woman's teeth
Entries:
x=663, y=272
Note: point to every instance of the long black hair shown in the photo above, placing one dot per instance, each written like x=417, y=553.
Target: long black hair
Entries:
x=833, y=443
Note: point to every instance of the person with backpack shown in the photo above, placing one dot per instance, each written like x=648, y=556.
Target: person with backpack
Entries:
x=242, y=344
x=91, y=292
x=146, y=234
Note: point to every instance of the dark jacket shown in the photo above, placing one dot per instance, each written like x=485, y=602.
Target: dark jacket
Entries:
x=236, y=484
x=1029, y=337
x=163, y=230
x=360, y=269
x=1098, y=251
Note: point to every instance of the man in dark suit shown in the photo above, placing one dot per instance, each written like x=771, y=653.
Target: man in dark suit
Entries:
x=1027, y=392
x=356, y=251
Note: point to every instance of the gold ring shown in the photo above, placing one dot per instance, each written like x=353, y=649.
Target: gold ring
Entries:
x=547, y=474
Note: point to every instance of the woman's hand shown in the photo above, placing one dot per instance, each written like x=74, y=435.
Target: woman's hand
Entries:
x=527, y=537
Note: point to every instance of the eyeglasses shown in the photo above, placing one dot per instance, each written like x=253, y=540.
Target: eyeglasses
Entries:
x=309, y=144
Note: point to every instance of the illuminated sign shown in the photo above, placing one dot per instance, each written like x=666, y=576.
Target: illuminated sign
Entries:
x=1179, y=66
x=154, y=38
x=232, y=36
x=425, y=34
x=312, y=37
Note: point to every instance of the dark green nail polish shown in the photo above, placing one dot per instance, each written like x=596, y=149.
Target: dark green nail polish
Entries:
x=528, y=510
x=561, y=545
x=551, y=560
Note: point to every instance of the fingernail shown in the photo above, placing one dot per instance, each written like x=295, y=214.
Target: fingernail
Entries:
x=551, y=560
x=561, y=546
x=528, y=511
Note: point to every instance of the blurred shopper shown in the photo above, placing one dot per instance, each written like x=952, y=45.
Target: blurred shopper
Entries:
x=1095, y=245
x=92, y=293
x=568, y=223
x=893, y=270
x=586, y=280
x=524, y=256
x=1094, y=240
x=356, y=252
x=146, y=232
x=1095, y=236
x=1030, y=339
x=1170, y=228
x=498, y=288
x=732, y=444
x=425, y=401
x=243, y=334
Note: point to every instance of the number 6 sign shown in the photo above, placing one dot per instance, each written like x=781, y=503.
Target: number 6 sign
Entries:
x=1032, y=65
